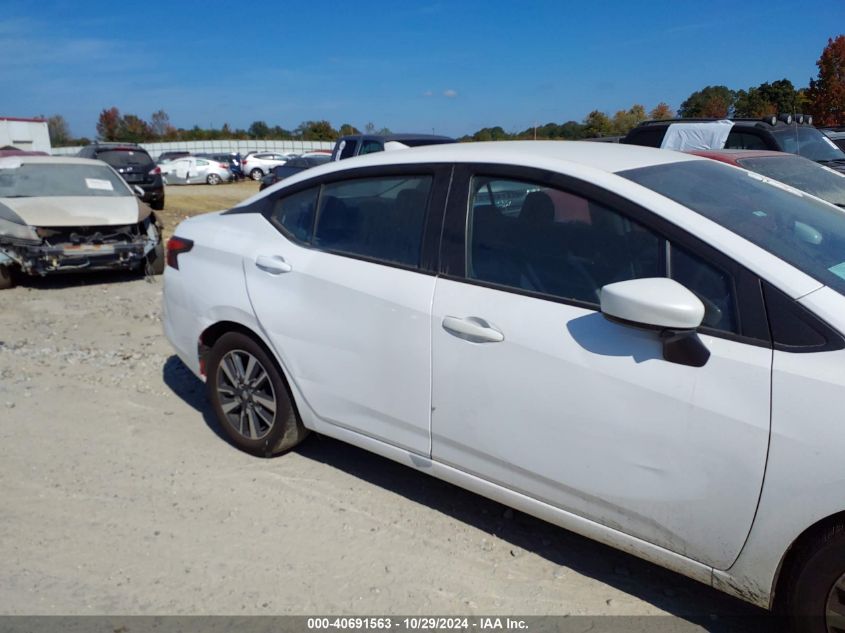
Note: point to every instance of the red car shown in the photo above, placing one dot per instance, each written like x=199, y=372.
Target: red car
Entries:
x=791, y=169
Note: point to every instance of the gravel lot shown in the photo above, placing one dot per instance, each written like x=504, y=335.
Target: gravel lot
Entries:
x=119, y=495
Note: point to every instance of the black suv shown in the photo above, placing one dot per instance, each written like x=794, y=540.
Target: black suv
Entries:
x=783, y=134
x=134, y=164
x=357, y=144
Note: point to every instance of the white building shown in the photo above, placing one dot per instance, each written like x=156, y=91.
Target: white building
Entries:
x=27, y=134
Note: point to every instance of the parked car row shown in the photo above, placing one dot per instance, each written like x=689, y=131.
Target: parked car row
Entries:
x=643, y=346
x=794, y=135
x=293, y=166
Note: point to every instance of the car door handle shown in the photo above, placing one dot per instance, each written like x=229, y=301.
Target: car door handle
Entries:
x=472, y=329
x=273, y=264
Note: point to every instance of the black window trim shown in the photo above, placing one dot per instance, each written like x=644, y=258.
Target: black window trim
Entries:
x=440, y=173
x=751, y=312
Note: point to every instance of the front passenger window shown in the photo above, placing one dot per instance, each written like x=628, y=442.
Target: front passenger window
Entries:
x=549, y=241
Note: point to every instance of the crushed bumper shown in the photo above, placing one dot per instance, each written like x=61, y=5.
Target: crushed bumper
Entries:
x=95, y=248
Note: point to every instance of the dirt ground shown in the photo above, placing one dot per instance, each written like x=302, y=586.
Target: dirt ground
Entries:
x=119, y=495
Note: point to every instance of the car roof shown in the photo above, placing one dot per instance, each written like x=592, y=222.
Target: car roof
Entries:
x=733, y=155
x=56, y=160
x=399, y=137
x=608, y=157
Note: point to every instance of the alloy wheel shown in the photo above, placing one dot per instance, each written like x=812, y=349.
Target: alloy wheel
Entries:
x=835, y=607
x=246, y=394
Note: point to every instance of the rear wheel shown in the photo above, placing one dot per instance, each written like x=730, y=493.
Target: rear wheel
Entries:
x=814, y=590
x=7, y=277
x=250, y=397
x=256, y=174
x=157, y=205
x=213, y=179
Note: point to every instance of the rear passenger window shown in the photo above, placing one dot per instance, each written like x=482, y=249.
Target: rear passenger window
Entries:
x=375, y=218
x=294, y=214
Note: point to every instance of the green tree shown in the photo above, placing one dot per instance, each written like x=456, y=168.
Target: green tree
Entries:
x=826, y=94
x=778, y=97
x=490, y=134
x=258, y=130
x=597, y=124
x=316, y=131
x=624, y=120
x=710, y=102
x=134, y=129
x=348, y=129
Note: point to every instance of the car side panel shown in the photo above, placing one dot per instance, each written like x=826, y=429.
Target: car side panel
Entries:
x=805, y=473
x=209, y=285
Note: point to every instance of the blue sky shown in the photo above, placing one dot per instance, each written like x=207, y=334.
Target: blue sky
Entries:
x=451, y=66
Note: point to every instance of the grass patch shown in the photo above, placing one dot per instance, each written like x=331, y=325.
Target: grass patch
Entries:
x=185, y=201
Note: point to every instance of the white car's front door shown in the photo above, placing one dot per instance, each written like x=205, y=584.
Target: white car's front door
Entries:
x=534, y=389
x=354, y=334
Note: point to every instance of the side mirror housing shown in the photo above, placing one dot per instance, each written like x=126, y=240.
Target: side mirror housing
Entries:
x=663, y=305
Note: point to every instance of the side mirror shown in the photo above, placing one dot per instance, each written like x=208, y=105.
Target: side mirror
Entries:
x=138, y=191
x=663, y=305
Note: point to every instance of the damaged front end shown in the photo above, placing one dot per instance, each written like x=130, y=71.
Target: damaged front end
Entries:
x=42, y=250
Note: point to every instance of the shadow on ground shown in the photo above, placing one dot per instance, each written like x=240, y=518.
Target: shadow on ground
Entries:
x=687, y=599
x=79, y=279
x=191, y=390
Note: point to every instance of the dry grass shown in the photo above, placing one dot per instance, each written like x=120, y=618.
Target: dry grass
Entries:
x=184, y=201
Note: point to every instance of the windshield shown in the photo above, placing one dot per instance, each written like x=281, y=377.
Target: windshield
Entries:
x=802, y=174
x=799, y=229
x=33, y=180
x=807, y=142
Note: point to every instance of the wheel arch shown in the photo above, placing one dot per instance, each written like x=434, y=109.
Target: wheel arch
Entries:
x=212, y=333
x=795, y=553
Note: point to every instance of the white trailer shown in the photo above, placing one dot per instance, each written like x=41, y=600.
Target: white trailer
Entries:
x=31, y=135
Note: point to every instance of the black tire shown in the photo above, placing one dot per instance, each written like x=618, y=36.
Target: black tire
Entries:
x=284, y=430
x=157, y=205
x=7, y=277
x=814, y=588
x=156, y=260
x=256, y=174
x=213, y=179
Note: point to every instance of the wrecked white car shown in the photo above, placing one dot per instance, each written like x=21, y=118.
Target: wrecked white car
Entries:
x=62, y=214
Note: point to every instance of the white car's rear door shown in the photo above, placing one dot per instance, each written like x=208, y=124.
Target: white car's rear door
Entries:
x=345, y=297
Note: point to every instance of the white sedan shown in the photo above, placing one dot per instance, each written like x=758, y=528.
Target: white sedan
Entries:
x=193, y=170
x=641, y=346
x=259, y=164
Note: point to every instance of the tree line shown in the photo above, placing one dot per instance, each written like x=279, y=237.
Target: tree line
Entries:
x=824, y=98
